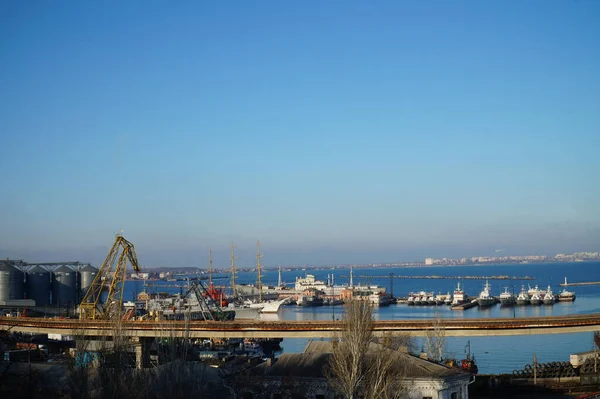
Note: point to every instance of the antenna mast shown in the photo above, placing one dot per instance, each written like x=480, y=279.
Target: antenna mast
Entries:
x=210, y=267
x=233, y=290
x=258, y=270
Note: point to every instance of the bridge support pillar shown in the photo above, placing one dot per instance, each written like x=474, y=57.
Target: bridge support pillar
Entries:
x=142, y=353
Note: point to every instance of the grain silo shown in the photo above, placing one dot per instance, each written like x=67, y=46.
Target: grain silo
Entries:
x=64, y=286
x=37, y=286
x=87, y=275
x=11, y=282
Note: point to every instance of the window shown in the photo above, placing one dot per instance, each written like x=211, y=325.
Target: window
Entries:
x=427, y=397
x=454, y=395
x=319, y=396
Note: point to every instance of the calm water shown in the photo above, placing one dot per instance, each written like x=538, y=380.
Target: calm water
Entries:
x=493, y=354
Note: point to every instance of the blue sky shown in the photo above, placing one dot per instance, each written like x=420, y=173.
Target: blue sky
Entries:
x=334, y=132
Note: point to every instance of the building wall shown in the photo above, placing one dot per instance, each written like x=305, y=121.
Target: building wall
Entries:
x=439, y=389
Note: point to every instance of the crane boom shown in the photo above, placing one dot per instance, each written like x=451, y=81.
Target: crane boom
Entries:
x=111, y=275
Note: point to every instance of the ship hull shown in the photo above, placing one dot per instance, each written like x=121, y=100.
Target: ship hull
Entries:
x=507, y=302
x=535, y=302
x=484, y=303
x=522, y=302
x=566, y=298
x=548, y=301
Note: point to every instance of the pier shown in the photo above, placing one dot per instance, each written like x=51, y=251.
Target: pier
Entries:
x=447, y=277
x=580, y=283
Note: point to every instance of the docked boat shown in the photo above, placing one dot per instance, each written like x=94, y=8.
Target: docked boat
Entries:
x=485, y=298
x=566, y=296
x=422, y=299
x=507, y=298
x=380, y=299
x=439, y=299
x=310, y=301
x=431, y=300
x=459, y=296
x=522, y=298
x=535, y=299
x=533, y=291
x=448, y=300
x=549, y=297
x=411, y=300
x=244, y=312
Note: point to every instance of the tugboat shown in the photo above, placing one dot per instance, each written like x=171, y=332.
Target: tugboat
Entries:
x=549, y=298
x=485, y=299
x=566, y=296
x=536, y=299
x=469, y=364
x=507, y=298
x=523, y=298
x=459, y=296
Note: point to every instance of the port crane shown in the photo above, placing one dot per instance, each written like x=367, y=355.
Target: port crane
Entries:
x=112, y=275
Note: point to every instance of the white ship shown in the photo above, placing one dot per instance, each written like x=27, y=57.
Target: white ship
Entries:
x=549, y=297
x=523, y=298
x=459, y=297
x=448, y=300
x=533, y=291
x=485, y=298
x=535, y=299
x=507, y=298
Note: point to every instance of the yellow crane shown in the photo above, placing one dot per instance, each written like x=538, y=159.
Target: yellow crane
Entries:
x=111, y=275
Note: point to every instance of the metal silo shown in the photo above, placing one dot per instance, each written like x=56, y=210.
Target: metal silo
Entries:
x=87, y=275
x=11, y=282
x=64, y=286
x=38, y=286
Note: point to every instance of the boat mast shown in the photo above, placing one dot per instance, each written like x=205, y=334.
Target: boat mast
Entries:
x=233, y=290
x=258, y=271
x=351, y=277
x=210, y=267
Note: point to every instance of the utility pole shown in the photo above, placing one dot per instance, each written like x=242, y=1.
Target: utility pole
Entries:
x=392, y=284
x=210, y=267
x=233, y=289
x=258, y=271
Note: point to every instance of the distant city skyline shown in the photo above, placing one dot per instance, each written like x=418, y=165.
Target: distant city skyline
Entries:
x=345, y=132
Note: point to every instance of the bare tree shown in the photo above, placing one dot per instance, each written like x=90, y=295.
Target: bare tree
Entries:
x=435, y=339
x=360, y=367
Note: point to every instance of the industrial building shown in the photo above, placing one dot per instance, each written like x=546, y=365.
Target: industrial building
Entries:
x=43, y=286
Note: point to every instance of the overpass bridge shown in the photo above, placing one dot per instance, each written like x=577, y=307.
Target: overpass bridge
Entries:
x=301, y=329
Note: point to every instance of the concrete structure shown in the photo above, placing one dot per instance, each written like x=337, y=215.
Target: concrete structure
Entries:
x=307, y=329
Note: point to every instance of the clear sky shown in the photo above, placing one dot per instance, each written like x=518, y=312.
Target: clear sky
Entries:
x=333, y=131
